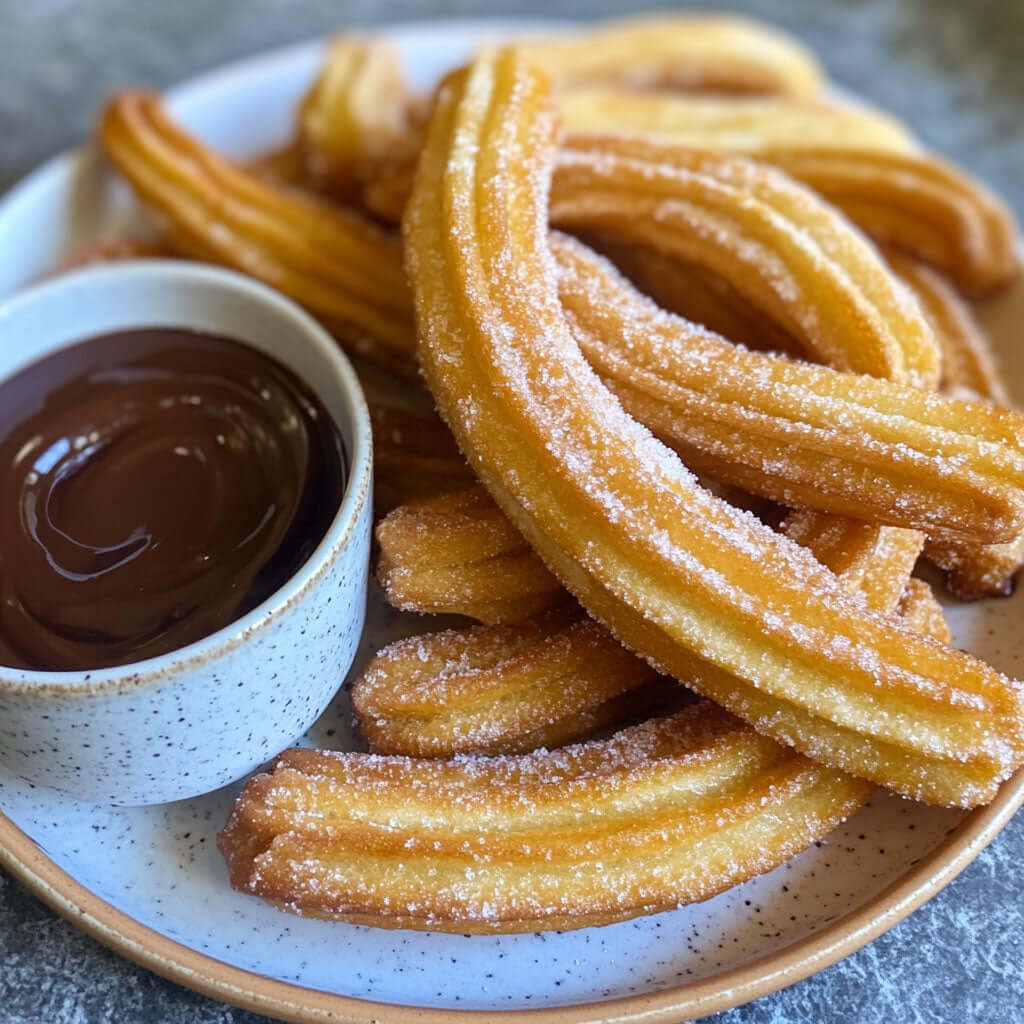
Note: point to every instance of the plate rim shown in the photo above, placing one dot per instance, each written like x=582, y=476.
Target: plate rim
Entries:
x=299, y=1004
x=28, y=863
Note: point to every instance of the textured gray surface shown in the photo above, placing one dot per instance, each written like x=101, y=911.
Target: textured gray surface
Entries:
x=950, y=68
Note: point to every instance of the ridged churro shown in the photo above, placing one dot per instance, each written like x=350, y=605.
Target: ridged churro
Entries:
x=557, y=678
x=459, y=554
x=705, y=592
x=356, y=117
x=771, y=239
x=344, y=270
x=743, y=125
x=551, y=680
x=968, y=364
x=706, y=52
x=662, y=814
x=434, y=556
x=778, y=428
x=414, y=455
x=918, y=203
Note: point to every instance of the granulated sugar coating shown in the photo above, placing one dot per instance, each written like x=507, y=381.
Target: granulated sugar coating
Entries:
x=662, y=814
x=548, y=681
x=696, y=586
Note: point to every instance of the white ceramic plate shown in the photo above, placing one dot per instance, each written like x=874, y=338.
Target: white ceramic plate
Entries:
x=149, y=882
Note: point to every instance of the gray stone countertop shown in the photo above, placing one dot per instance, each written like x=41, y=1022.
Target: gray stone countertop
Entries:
x=950, y=68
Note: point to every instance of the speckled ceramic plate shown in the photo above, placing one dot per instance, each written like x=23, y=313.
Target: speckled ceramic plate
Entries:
x=149, y=883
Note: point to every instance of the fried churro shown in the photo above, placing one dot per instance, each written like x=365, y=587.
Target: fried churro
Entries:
x=968, y=364
x=777, y=428
x=774, y=241
x=459, y=554
x=558, y=678
x=703, y=52
x=668, y=567
x=662, y=814
x=744, y=125
x=545, y=682
x=414, y=455
x=356, y=118
x=344, y=270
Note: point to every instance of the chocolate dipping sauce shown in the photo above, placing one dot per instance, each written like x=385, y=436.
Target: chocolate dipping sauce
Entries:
x=155, y=484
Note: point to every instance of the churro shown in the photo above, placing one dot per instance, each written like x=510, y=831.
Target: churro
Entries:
x=778, y=428
x=705, y=52
x=743, y=125
x=662, y=814
x=545, y=682
x=344, y=270
x=355, y=119
x=706, y=592
x=459, y=554
x=414, y=455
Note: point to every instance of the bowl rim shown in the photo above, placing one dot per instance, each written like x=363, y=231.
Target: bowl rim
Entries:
x=338, y=536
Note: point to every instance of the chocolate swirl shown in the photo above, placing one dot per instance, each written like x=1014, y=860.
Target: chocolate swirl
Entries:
x=155, y=484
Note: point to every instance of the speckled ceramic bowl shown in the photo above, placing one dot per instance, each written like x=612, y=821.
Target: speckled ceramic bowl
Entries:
x=193, y=720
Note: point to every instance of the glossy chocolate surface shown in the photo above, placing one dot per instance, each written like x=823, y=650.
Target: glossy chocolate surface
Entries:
x=155, y=484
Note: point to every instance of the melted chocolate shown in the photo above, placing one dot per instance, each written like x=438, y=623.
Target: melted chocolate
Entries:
x=155, y=484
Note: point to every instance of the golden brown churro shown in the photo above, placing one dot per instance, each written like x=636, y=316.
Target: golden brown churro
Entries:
x=968, y=365
x=707, y=52
x=548, y=681
x=344, y=270
x=662, y=814
x=355, y=119
x=459, y=554
x=556, y=679
x=743, y=125
x=777, y=428
x=667, y=566
x=414, y=455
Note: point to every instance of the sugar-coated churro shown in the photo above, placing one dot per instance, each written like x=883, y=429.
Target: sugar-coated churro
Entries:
x=666, y=565
x=662, y=814
x=339, y=266
x=706, y=52
x=459, y=554
x=548, y=681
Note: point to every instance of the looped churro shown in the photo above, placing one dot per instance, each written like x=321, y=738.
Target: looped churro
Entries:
x=769, y=238
x=662, y=814
x=666, y=565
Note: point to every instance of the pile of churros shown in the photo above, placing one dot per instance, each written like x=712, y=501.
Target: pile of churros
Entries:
x=686, y=380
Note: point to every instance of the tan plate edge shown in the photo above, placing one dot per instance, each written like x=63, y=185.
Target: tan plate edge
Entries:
x=29, y=864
